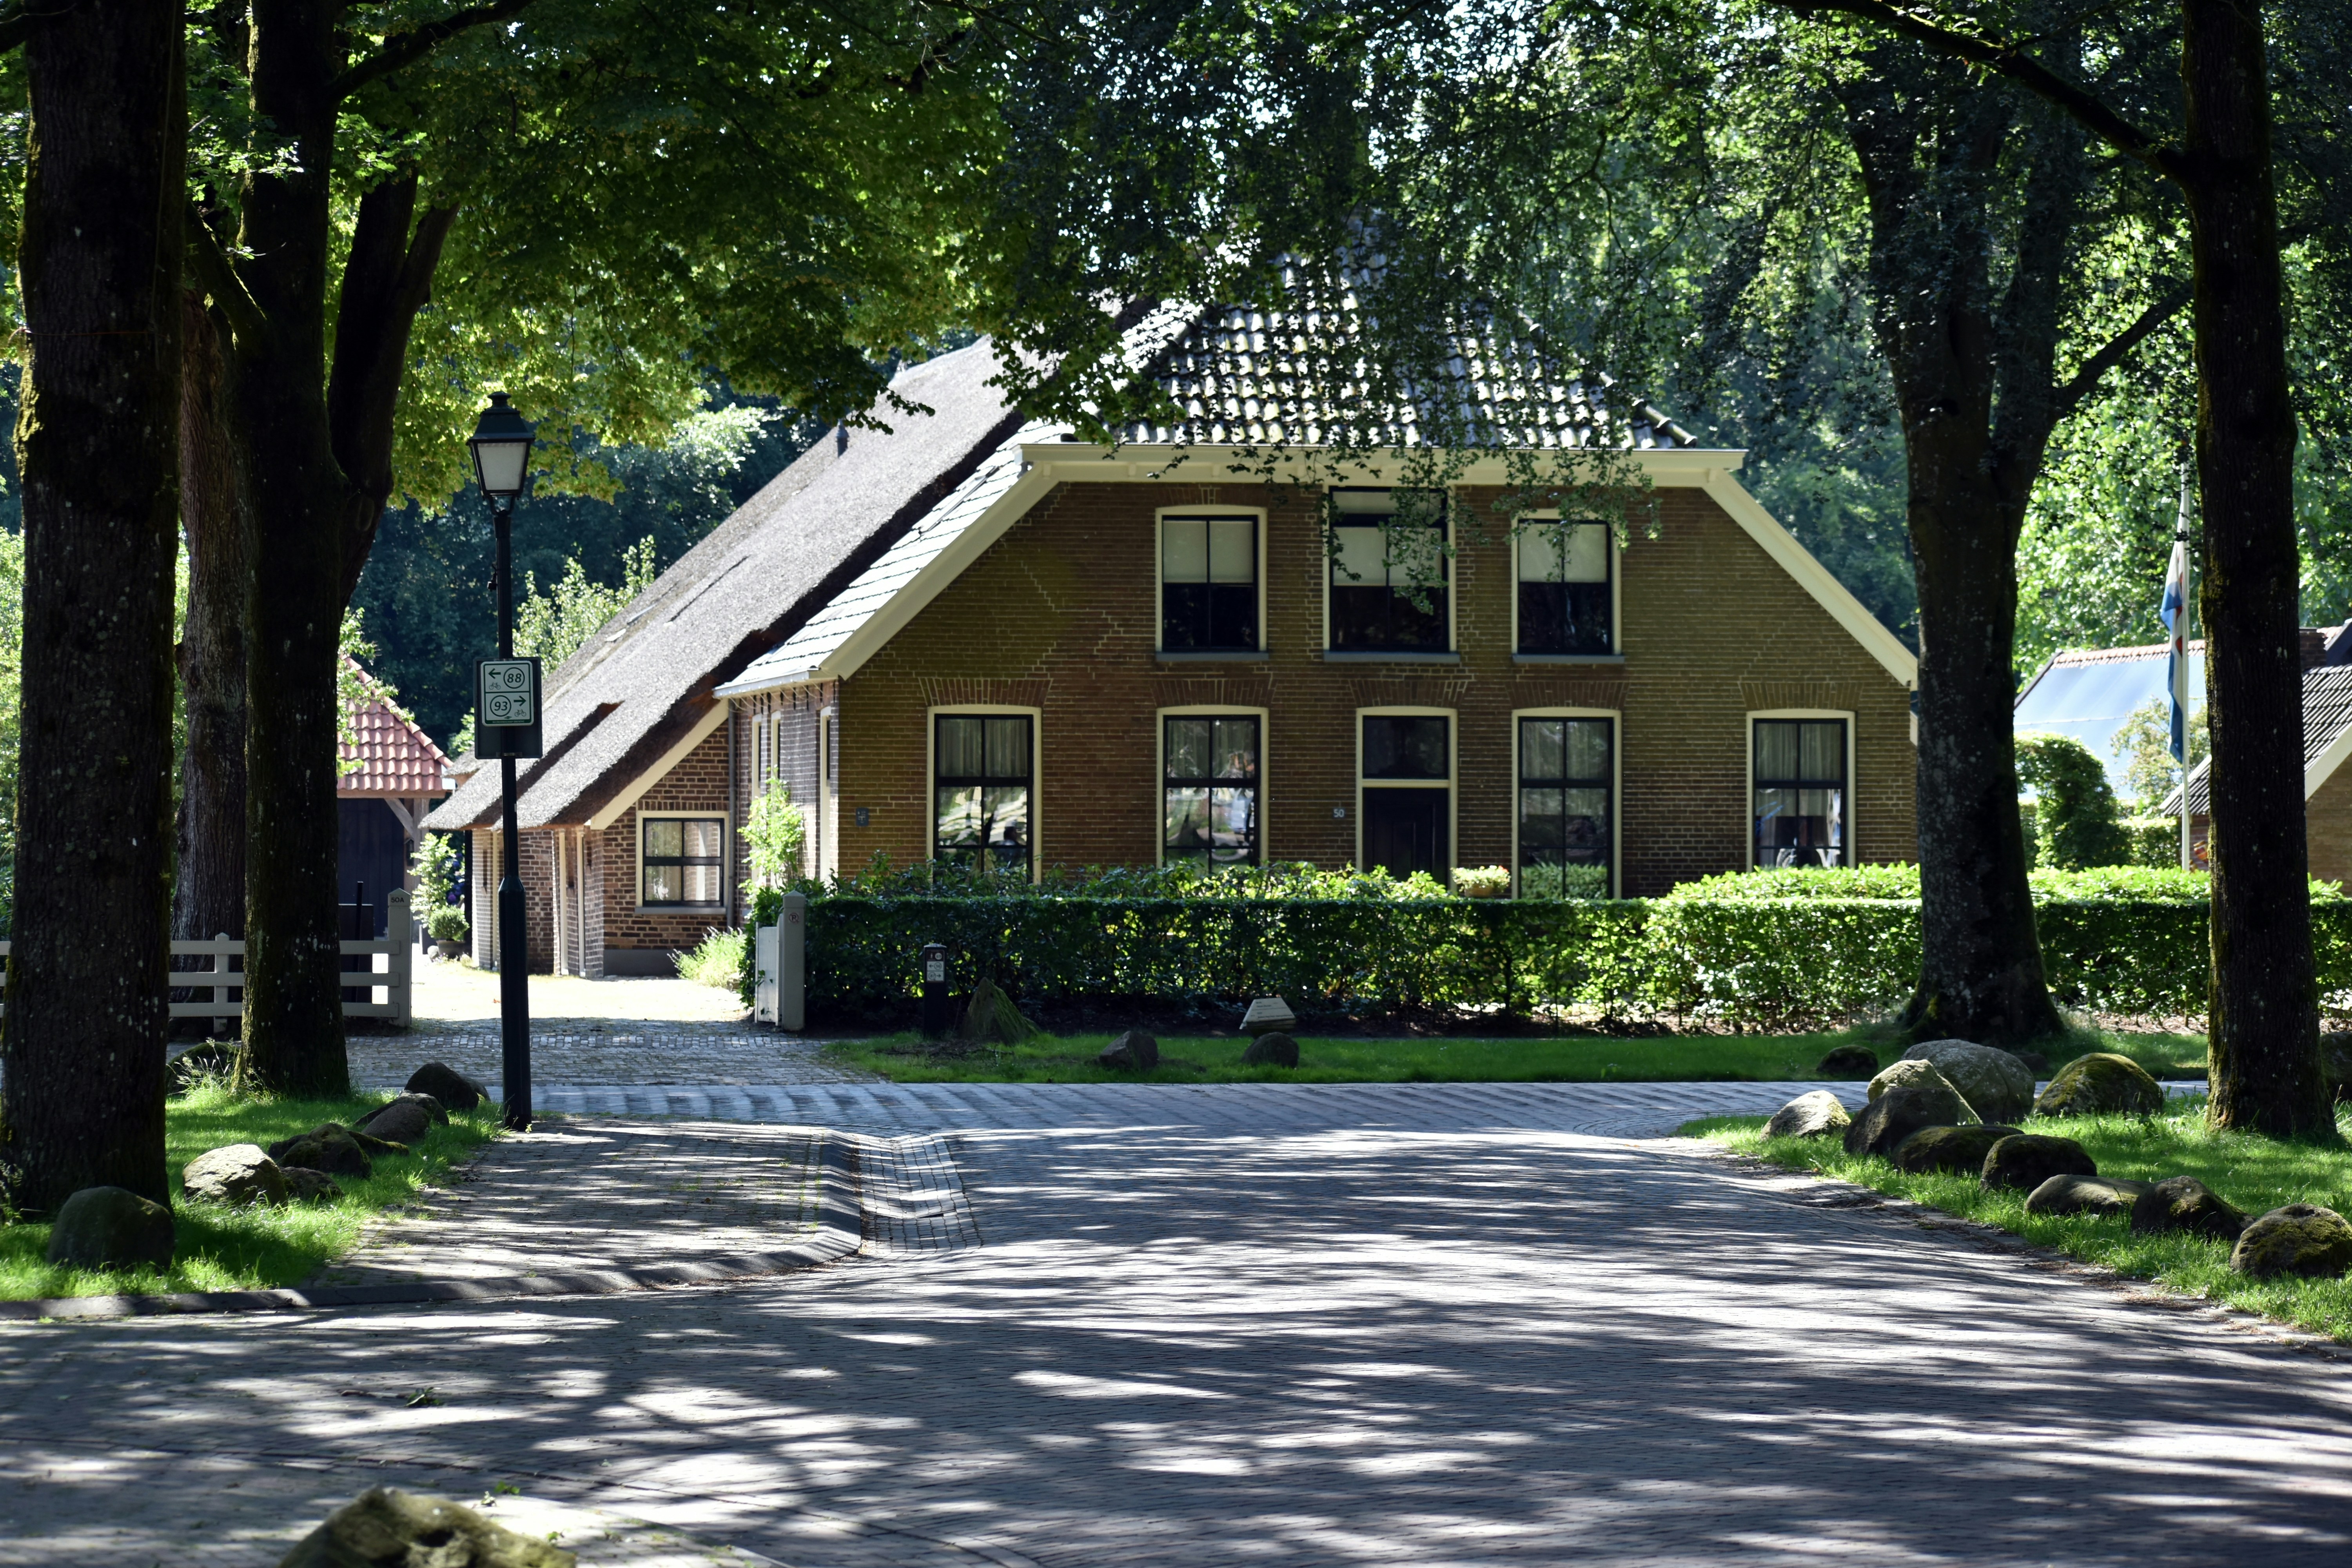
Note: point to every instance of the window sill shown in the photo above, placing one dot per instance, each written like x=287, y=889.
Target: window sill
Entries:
x=679, y=909
x=1567, y=658
x=1190, y=657
x=1354, y=656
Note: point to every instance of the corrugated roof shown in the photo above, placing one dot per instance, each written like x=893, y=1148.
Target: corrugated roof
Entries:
x=2327, y=715
x=647, y=678
x=1246, y=375
x=394, y=756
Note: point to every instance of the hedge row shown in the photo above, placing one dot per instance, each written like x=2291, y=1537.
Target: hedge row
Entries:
x=1762, y=964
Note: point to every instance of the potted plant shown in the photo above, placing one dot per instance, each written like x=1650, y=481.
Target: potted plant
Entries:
x=446, y=926
x=1483, y=881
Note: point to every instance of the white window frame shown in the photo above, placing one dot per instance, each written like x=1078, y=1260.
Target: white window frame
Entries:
x=1452, y=785
x=931, y=717
x=1616, y=597
x=1616, y=786
x=1747, y=780
x=1452, y=650
x=821, y=810
x=726, y=846
x=1160, y=718
x=1160, y=519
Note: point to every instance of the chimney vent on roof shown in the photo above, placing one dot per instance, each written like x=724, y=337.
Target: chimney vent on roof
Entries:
x=2314, y=646
x=840, y=439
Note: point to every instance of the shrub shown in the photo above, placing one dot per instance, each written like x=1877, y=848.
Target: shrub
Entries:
x=717, y=961
x=1564, y=883
x=2152, y=840
x=2077, y=819
x=447, y=923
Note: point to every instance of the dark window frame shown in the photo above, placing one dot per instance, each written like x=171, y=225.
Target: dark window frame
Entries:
x=1606, y=783
x=1336, y=639
x=646, y=859
x=1521, y=618
x=1202, y=637
x=1255, y=785
x=1844, y=783
x=962, y=854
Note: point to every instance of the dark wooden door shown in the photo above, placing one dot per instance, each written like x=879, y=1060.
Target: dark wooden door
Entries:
x=1405, y=831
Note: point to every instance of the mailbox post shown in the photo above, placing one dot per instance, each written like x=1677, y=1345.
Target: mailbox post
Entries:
x=935, y=1009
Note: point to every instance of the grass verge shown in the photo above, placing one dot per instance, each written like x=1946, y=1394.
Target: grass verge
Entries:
x=1566, y=1059
x=2255, y=1173
x=236, y=1249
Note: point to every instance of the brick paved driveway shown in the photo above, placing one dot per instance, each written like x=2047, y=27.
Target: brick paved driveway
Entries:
x=1210, y=1344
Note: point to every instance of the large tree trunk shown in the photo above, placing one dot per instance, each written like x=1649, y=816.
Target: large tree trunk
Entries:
x=294, y=1017
x=1980, y=963
x=2264, y=1050
x=98, y=449
x=208, y=896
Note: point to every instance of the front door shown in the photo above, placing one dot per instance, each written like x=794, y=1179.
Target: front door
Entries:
x=1404, y=830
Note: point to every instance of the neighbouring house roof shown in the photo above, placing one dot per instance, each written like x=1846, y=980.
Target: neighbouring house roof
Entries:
x=1211, y=362
x=395, y=758
x=640, y=694
x=2326, y=737
x=2087, y=693
x=1242, y=376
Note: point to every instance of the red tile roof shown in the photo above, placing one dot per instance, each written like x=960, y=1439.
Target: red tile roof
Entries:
x=395, y=757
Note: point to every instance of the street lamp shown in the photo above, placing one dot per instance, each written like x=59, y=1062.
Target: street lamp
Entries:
x=501, y=446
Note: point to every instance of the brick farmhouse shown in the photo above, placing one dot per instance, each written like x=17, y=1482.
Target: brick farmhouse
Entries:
x=967, y=638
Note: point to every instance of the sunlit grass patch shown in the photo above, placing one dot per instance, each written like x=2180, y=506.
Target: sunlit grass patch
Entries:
x=2257, y=1174
x=229, y=1249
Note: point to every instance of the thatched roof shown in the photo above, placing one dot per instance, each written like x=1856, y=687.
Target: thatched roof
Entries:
x=644, y=684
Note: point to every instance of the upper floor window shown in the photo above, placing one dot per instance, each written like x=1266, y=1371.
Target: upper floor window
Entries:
x=1802, y=795
x=1211, y=789
x=1565, y=602
x=1388, y=572
x=981, y=790
x=1208, y=584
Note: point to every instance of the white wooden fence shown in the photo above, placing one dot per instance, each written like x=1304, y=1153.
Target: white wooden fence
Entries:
x=390, y=967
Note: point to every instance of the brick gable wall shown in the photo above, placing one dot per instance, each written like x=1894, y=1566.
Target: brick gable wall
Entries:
x=697, y=783
x=1060, y=615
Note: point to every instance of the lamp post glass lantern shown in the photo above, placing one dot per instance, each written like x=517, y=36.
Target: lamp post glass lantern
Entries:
x=501, y=445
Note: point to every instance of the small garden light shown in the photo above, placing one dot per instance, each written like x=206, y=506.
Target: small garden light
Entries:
x=935, y=990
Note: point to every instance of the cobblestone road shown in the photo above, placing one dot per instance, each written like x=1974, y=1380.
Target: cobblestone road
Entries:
x=1412, y=1324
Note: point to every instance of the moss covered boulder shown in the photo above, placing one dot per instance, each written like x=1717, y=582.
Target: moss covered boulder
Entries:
x=1915, y=1074
x=1949, y=1148
x=2103, y=1195
x=2024, y=1161
x=1274, y=1050
x=1849, y=1061
x=2101, y=1084
x=1996, y=1085
x=1814, y=1115
x=328, y=1147
x=2301, y=1238
x=1894, y=1116
x=2184, y=1202
x=110, y=1227
x=388, y=1529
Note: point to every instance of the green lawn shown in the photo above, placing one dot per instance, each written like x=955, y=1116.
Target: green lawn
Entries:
x=1567, y=1058
x=2255, y=1173
x=227, y=1249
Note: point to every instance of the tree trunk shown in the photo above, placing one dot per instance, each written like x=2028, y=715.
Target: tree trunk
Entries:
x=293, y=992
x=2264, y=1018
x=98, y=447
x=208, y=895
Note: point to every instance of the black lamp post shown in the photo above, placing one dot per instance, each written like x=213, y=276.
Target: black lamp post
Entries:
x=501, y=446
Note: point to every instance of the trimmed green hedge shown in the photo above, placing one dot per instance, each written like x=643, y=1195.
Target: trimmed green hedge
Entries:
x=1751, y=952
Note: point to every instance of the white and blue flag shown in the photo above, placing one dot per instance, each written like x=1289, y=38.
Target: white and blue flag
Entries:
x=2175, y=611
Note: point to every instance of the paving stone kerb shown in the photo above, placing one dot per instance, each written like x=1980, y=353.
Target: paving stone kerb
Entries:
x=1227, y=1342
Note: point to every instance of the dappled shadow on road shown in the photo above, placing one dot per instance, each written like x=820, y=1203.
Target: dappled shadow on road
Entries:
x=1322, y=1347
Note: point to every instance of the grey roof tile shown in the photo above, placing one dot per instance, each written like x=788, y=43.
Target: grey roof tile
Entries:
x=2327, y=713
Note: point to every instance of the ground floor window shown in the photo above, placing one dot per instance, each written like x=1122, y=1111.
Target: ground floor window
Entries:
x=1568, y=773
x=1405, y=788
x=1210, y=788
x=1801, y=792
x=982, y=784
x=678, y=860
